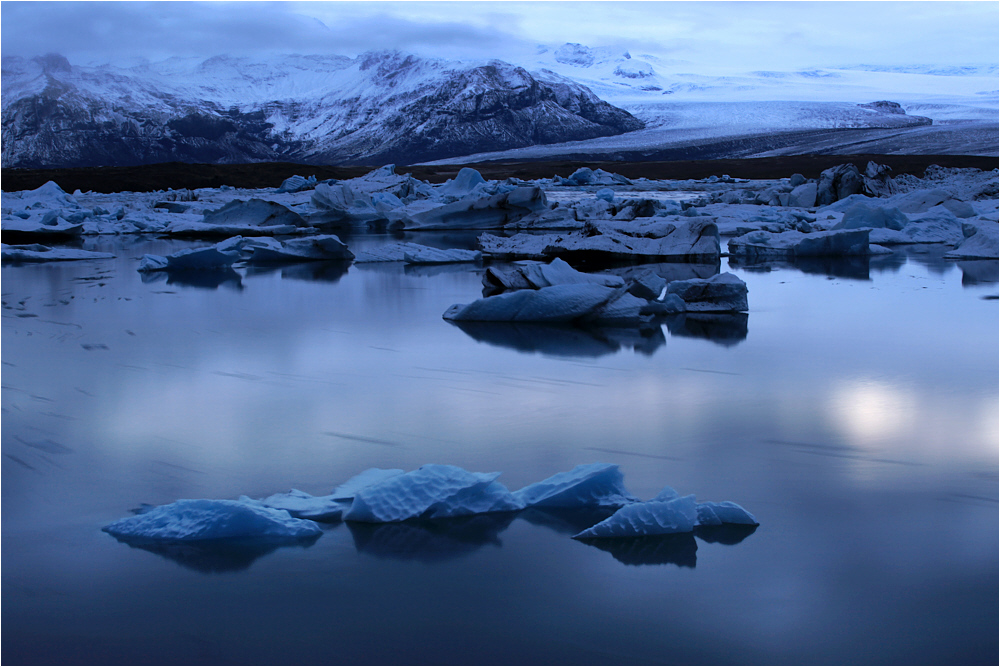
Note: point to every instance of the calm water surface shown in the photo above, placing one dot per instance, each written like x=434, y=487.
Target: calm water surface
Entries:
x=854, y=411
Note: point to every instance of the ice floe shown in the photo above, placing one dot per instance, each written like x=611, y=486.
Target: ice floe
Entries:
x=679, y=238
x=191, y=259
x=431, y=492
x=594, y=484
x=762, y=246
x=41, y=253
x=192, y=520
x=536, y=275
x=656, y=517
x=302, y=505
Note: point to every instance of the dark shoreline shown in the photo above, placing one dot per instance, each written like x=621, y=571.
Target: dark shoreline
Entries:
x=178, y=175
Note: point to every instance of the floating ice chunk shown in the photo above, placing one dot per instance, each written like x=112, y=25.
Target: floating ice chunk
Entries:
x=877, y=217
x=42, y=227
x=487, y=212
x=668, y=493
x=655, y=517
x=722, y=293
x=463, y=183
x=536, y=276
x=304, y=506
x=254, y=213
x=191, y=520
x=716, y=514
x=560, y=303
x=431, y=492
x=191, y=259
x=308, y=249
x=370, y=477
x=591, y=484
x=764, y=246
x=428, y=255
x=41, y=253
x=981, y=242
x=150, y=263
x=690, y=239
x=49, y=195
x=296, y=184
x=607, y=194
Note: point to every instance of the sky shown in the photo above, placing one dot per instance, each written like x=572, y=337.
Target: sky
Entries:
x=738, y=35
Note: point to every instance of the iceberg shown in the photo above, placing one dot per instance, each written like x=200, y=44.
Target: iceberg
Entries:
x=764, y=246
x=680, y=239
x=594, y=484
x=534, y=275
x=428, y=255
x=486, y=212
x=296, y=184
x=370, y=477
x=40, y=253
x=726, y=512
x=307, y=249
x=723, y=293
x=431, y=492
x=194, y=520
x=302, y=505
x=191, y=259
x=559, y=303
x=655, y=517
x=981, y=242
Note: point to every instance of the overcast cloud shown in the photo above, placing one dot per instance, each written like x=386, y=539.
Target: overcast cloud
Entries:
x=743, y=35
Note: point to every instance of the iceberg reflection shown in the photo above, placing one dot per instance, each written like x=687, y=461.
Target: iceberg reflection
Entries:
x=678, y=549
x=216, y=556
x=564, y=341
x=205, y=278
x=430, y=541
x=726, y=329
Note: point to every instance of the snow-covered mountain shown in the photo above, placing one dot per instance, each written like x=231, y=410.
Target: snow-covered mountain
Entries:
x=559, y=101
x=379, y=107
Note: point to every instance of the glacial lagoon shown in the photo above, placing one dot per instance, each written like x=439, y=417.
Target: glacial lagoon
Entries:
x=853, y=410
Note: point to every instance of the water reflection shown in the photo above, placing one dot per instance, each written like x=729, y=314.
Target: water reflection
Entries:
x=679, y=549
x=205, y=279
x=727, y=533
x=851, y=268
x=565, y=520
x=726, y=329
x=325, y=272
x=980, y=272
x=565, y=341
x=215, y=556
x=430, y=541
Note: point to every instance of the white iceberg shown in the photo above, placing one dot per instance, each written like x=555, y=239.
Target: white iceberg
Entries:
x=656, y=517
x=370, y=477
x=726, y=512
x=560, y=303
x=431, y=492
x=765, y=246
x=325, y=247
x=981, y=242
x=723, y=293
x=194, y=520
x=302, y=505
x=679, y=238
x=534, y=275
x=422, y=254
x=588, y=485
x=191, y=259
x=41, y=253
